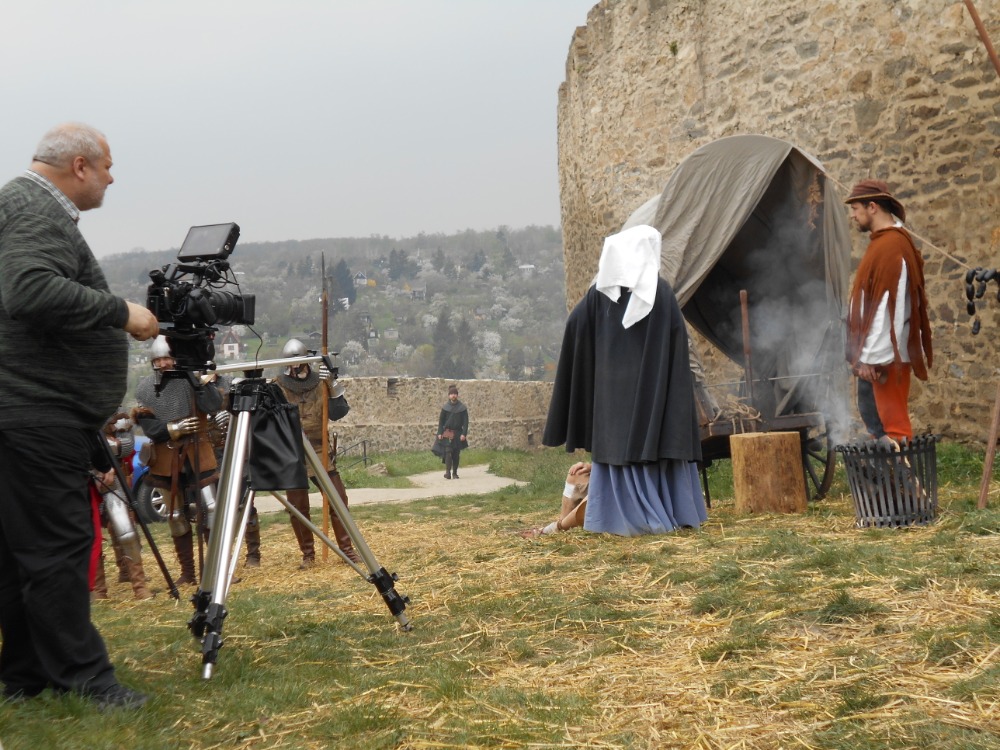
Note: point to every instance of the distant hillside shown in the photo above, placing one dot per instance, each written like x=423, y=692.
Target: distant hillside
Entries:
x=473, y=304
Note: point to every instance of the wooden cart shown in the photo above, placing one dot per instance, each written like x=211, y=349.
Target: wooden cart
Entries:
x=819, y=459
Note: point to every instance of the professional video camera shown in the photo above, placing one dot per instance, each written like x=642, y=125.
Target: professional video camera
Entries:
x=186, y=296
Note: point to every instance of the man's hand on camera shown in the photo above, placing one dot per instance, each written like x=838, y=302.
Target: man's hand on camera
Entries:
x=182, y=427
x=141, y=323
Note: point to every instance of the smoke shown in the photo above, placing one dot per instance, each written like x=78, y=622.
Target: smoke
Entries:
x=797, y=337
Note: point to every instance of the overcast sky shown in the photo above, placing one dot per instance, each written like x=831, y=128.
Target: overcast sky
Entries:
x=297, y=119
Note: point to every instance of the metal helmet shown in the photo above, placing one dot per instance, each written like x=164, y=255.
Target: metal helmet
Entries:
x=160, y=348
x=294, y=348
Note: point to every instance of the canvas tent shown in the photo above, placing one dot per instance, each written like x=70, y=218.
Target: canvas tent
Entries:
x=756, y=213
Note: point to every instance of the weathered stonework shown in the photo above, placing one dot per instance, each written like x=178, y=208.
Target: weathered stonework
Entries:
x=401, y=414
x=901, y=90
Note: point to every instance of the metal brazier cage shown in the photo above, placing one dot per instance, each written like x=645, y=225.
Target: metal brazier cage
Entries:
x=892, y=486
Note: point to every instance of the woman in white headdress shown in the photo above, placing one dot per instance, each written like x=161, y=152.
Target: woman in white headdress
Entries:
x=624, y=392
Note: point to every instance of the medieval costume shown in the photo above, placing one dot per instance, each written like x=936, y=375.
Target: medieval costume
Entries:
x=624, y=392
x=452, y=434
x=183, y=465
x=117, y=518
x=887, y=320
x=302, y=386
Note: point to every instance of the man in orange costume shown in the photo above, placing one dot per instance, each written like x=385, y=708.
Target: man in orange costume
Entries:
x=888, y=330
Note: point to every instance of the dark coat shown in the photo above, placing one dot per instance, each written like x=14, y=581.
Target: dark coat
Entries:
x=454, y=417
x=625, y=394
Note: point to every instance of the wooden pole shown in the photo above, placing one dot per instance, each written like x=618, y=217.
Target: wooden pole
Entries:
x=324, y=349
x=747, y=362
x=991, y=452
x=984, y=35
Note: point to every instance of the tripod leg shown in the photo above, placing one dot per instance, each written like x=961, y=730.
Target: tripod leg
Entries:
x=240, y=532
x=379, y=577
x=307, y=522
x=209, y=601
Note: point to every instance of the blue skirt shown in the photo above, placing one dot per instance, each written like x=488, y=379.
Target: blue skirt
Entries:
x=651, y=498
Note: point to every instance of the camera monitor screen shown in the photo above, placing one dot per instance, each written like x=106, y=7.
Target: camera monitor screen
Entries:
x=209, y=242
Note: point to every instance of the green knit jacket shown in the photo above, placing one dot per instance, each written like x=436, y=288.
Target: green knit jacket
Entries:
x=63, y=353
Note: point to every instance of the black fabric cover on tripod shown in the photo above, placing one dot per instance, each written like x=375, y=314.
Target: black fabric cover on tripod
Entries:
x=277, y=459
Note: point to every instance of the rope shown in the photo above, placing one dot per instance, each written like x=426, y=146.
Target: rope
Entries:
x=924, y=240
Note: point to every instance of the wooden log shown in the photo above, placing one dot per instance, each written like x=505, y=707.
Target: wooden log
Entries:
x=767, y=472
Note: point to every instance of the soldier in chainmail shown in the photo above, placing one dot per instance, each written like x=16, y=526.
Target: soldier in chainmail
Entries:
x=178, y=421
x=301, y=385
x=116, y=516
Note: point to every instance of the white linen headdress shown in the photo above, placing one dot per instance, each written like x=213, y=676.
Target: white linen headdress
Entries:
x=631, y=260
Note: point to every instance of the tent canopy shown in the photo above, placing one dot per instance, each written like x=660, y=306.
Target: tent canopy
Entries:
x=756, y=213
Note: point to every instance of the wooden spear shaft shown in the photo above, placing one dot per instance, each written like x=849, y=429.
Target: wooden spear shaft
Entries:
x=325, y=416
x=983, y=35
x=991, y=452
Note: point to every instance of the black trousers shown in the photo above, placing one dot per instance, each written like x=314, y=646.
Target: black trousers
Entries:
x=46, y=535
x=867, y=409
x=452, y=455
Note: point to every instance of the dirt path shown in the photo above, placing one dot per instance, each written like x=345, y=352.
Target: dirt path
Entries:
x=474, y=480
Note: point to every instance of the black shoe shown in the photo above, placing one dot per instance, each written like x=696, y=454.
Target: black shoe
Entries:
x=455, y=475
x=447, y=476
x=116, y=696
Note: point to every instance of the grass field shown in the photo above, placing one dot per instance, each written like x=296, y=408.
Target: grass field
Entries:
x=753, y=632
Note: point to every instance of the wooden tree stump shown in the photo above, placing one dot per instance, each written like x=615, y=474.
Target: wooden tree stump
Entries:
x=767, y=472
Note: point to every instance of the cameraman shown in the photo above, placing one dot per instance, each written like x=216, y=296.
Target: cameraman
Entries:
x=178, y=420
x=63, y=367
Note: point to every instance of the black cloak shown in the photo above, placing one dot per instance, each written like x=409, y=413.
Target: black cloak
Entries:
x=625, y=394
x=454, y=416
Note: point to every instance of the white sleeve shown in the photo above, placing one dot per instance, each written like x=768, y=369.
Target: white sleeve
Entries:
x=878, y=346
x=878, y=343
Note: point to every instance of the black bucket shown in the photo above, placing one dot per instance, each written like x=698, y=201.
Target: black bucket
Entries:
x=893, y=487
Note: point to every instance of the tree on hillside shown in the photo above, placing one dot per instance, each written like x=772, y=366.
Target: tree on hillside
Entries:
x=305, y=267
x=341, y=285
x=444, y=362
x=401, y=266
x=463, y=350
x=504, y=262
x=477, y=261
x=515, y=363
x=439, y=261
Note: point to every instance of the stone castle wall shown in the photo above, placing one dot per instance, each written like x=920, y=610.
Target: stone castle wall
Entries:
x=401, y=414
x=901, y=90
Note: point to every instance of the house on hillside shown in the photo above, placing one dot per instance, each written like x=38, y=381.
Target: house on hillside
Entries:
x=229, y=345
x=360, y=279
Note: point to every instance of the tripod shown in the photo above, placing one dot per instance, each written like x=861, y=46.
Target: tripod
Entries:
x=227, y=535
